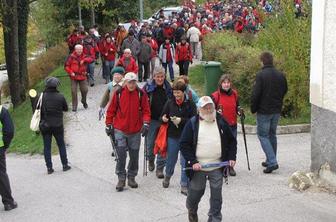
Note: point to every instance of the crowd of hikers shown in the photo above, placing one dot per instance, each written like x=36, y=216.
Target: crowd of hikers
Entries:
x=174, y=121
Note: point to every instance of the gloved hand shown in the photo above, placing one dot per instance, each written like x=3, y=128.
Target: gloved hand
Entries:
x=101, y=113
x=241, y=112
x=109, y=130
x=144, y=130
x=176, y=120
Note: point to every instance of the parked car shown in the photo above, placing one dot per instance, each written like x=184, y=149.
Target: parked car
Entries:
x=168, y=11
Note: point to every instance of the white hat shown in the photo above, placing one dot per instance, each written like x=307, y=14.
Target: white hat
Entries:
x=131, y=76
x=128, y=50
x=204, y=100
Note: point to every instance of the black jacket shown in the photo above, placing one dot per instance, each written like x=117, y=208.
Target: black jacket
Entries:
x=185, y=111
x=268, y=92
x=7, y=127
x=53, y=105
x=189, y=138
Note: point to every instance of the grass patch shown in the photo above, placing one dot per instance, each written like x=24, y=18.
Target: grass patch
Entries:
x=26, y=141
x=196, y=80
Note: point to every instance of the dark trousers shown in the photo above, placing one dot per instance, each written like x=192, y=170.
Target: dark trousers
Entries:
x=197, y=189
x=184, y=67
x=58, y=133
x=5, y=190
x=144, y=71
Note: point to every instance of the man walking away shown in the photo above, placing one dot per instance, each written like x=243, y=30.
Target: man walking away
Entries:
x=267, y=98
x=128, y=117
x=6, y=133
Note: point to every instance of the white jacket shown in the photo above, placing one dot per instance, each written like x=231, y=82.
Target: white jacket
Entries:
x=163, y=53
x=193, y=34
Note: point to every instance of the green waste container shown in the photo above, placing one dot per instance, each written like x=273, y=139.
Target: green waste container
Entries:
x=212, y=73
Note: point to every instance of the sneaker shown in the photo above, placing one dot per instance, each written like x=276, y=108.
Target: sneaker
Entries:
x=159, y=173
x=264, y=164
x=165, y=182
x=151, y=165
x=92, y=85
x=11, y=206
x=232, y=172
x=271, y=169
x=192, y=216
x=50, y=170
x=120, y=185
x=184, y=190
x=132, y=183
x=66, y=168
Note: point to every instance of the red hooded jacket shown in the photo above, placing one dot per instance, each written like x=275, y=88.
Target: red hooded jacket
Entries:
x=89, y=50
x=183, y=52
x=132, y=66
x=128, y=111
x=228, y=103
x=77, y=64
x=108, y=50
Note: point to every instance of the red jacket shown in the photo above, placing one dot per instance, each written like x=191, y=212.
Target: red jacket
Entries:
x=132, y=66
x=154, y=47
x=108, y=50
x=239, y=26
x=126, y=112
x=72, y=40
x=183, y=52
x=90, y=51
x=228, y=103
x=73, y=65
x=168, y=32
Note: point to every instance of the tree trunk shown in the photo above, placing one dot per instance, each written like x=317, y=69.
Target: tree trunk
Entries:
x=11, y=40
x=93, y=18
x=23, y=12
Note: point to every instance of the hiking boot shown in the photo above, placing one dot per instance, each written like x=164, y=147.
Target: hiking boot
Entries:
x=165, y=182
x=132, y=183
x=120, y=185
x=151, y=165
x=11, y=206
x=74, y=110
x=192, y=216
x=184, y=190
x=232, y=172
x=159, y=173
x=85, y=105
x=50, y=170
x=271, y=168
x=264, y=164
x=66, y=168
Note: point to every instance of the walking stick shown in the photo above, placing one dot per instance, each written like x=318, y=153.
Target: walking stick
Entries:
x=145, y=158
x=242, y=118
x=114, y=150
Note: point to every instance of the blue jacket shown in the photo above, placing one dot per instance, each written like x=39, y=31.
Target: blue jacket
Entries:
x=151, y=86
x=189, y=137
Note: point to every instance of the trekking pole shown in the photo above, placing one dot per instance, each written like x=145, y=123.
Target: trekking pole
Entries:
x=242, y=118
x=114, y=150
x=145, y=157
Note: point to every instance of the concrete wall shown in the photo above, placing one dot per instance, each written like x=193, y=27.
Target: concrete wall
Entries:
x=323, y=85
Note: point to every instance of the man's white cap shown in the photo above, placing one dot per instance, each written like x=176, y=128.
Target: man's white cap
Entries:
x=204, y=100
x=128, y=50
x=131, y=76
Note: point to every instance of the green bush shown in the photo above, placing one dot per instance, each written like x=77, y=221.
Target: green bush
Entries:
x=289, y=40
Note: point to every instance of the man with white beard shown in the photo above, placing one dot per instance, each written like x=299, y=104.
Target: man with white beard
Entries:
x=206, y=139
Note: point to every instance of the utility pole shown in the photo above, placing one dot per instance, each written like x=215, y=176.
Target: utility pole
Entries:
x=80, y=13
x=141, y=10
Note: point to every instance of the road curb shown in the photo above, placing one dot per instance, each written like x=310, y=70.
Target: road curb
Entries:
x=289, y=129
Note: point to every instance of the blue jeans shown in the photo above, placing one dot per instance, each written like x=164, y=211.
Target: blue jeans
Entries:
x=107, y=70
x=173, y=148
x=58, y=133
x=266, y=130
x=153, y=130
x=90, y=70
x=171, y=69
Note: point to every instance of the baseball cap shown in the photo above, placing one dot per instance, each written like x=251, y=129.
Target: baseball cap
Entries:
x=204, y=100
x=131, y=76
